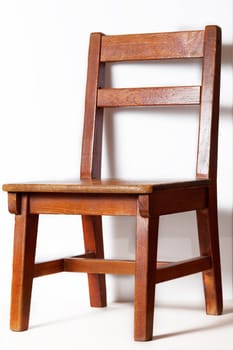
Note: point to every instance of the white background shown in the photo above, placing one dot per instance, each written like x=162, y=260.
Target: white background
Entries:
x=43, y=57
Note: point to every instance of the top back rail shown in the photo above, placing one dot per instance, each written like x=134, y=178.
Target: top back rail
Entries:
x=136, y=47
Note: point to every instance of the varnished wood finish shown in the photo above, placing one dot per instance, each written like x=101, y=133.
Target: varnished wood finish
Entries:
x=113, y=186
x=86, y=204
x=209, y=109
x=55, y=266
x=93, y=242
x=100, y=266
x=165, y=96
x=14, y=202
x=158, y=46
x=182, y=269
x=164, y=270
x=91, y=197
x=48, y=267
x=178, y=200
x=93, y=119
x=146, y=255
x=207, y=220
x=23, y=266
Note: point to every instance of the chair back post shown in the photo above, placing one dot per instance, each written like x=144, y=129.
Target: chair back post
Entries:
x=93, y=119
x=209, y=109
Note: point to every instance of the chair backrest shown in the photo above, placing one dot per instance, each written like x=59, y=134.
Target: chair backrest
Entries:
x=203, y=44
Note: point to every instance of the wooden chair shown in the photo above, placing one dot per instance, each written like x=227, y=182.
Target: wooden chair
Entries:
x=92, y=197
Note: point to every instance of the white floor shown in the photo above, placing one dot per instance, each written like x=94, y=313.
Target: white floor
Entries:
x=62, y=319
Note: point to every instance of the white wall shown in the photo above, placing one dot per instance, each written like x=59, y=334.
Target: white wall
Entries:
x=42, y=80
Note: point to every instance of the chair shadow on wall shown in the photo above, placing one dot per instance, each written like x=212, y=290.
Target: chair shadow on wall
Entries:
x=227, y=60
x=123, y=228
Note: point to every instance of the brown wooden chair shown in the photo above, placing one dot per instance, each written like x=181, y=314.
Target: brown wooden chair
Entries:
x=92, y=197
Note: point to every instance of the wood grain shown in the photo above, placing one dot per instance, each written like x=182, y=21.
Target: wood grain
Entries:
x=91, y=197
x=113, y=186
x=209, y=109
x=182, y=269
x=100, y=266
x=146, y=256
x=207, y=221
x=23, y=266
x=152, y=46
x=48, y=267
x=156, y=96
x=86, y=204
x=93, y=118
x=94, y=244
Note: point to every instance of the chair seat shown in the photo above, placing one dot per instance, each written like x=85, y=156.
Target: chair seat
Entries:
x=105, y=186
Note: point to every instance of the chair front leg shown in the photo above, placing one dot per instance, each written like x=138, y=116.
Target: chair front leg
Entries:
x=25, y=236
x=93, y=241
x=146, y=255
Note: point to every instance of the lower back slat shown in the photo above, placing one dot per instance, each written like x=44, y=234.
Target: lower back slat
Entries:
x=151, y=96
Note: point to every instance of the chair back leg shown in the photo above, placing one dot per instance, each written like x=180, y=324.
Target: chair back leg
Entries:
x=93, y=241
x=207, y=221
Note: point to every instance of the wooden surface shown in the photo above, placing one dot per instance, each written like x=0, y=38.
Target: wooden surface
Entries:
x=144, y=294
x=207, y=221
x=93, y=243
x=209, y=108
x=25, y=236
x=162, y=201
x=93, y=117
x=156, y=96
x=136, y=47
x=165, y=271
x=92, y=197
x=104, y=186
